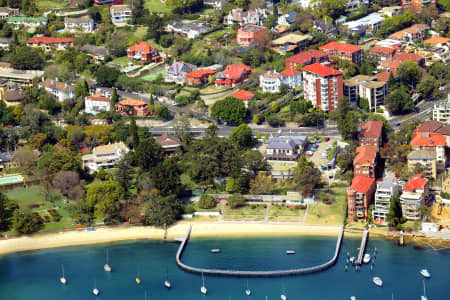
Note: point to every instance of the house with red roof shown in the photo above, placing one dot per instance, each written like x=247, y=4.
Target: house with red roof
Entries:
x=133, y=107
x=292, y=78
x=416, y=31
x=430, y=126
x=167, y=142
x=431, y=141
x=323, y=86
x=200, y=76
x=438, y=41
x=371, y=134
x=49, y=43
x=344, y=51
x=306, y=58
x=404, y=56
x=365, y=161
x=389, y=64
x=415, y=194
x=244, y=96
x=248, y=33
x=233, y=75
x=382, y=53
x=359, y=197
x=385, y=75
x=96, y=104
x=144, y=52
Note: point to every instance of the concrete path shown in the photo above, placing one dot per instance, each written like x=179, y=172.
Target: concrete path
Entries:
x=222, y=206
x=266, y=216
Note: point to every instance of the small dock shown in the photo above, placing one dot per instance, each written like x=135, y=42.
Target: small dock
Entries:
x=266, y=274
x=362, y=248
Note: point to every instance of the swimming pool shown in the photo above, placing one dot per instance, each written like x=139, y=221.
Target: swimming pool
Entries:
x=12, y=179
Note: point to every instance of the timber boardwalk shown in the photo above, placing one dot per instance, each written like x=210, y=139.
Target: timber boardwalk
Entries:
x=237, y=273
x=362, y=248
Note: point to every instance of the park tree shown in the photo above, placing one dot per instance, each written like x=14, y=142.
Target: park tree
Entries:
x=59, y=160
x=114, y=98
x=307, y=177
x=329, y=8
x=148, y=154
x=133, y=130
x=236, y=201
x=211, y=131
x=207, y=201
x=26, y=222
x=25, y=159
x=107, y=76
x=26, y=58
x=124, y=173
x=409, y=73
x=395, y=216
x=399, y=101
x=229, y=110
x=242, y=136
x=163, y=211
x=103, y=198
x=428, y=86
x=162, y=112
x=166, y=177
x=254, y=161
x=238, y=184
x=347, y=119
x=65, y=181
x=345, y=160
x=261, y=184
x=182, y=128
x=7, y=209
x=439, y=70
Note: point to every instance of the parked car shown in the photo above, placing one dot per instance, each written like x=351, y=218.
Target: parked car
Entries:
x=326, y=139
x=309, y=153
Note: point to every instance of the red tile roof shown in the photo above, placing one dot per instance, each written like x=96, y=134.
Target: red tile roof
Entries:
x=390, y=64
x=402, y=56
x=444, y=130
x=201, y=73
x=415, y=183
x=166, y=140
x=236, y=71
x=243, y=95
x=50, y=40
x=343, y=47
x=321, y=70
x=384, y=76
x=371, y=129
x=141, y=47
x=427, y=139
x=362, y=184
x=365, y=155
x=290, y=72
x=385, y=50
x=98, y=97
x=429, y=126
x=307, y=56
x=132, y=102
x=437, y=40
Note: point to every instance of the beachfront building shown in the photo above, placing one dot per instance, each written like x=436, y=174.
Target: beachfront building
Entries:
x=106, y=157
x=61, y=90
x=360, y=196
x=415, y=194
x=386, y=189
x=430, y=141
x=426, y=160
x=371, y=134
x=322, y=86
x=97, y=104
x=365, y=161
x=292, y=78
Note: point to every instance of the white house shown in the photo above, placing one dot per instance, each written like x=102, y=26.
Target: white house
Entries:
x=292, y=78
x=191, y=29
x=372, y=22
x=105, y=156
x=96, y=104
x=5, y=43
x=217, y=4
x=255, y=16
x=6, y=12
x=120, y=14
x=84, y=24
x=61, y=90
x=287, y=19
x=351, y=4
x=271, y=81
x=28, y=22
x=386, y=189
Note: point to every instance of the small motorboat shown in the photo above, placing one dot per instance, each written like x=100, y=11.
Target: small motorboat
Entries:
x=283, y=297
x=290, y=252
x=248, y=292
x=203, y=289
x=63, y=279
x=107, y=268
x=425, y=273
x=352, y=259
x=352, y=298
x=95, y=291
x=167, y=284
x=366, y=258
x=215, y=250
x=377, y=281
x=138, y=280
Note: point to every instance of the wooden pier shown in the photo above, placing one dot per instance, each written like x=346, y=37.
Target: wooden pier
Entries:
x=362, y=248
x=237, y=273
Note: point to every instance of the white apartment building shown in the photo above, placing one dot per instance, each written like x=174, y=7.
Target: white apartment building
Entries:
x=120, y=14
x=97, y=104
x=441, y=111
x=386, y=189
x=414, y=195
x=61, y=90
x=84, y=24
x=105, y=156
x=323, y=86
x=271, y=81
x=374, y=92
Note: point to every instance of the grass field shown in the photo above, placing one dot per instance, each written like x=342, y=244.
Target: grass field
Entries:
x=32, y=199
x=153, y=76
x=197, y=208
x=156, y=6
x=123, y=61
x=242, y=218
x=52, y=4
x=330, y=214
x=245, y=210
x=281, y=210
x=213, y=90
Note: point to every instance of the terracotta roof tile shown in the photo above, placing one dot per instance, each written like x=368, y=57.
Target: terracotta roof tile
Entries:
x=385, y=50
x=306, y=56
x=343, y=47
x=371, y=129
x=132, y=102
x=384, y=76
x=243, y=95
x=444, y=130
x=200, y=73
x=365, y=155
x=321, y=70
x=50, y=40
x=402, y=56
x=390, y=64
x=290, y=72
x=98, y=97
x=415, y=183
x=235, y=71
x=427, y=139
x=437, y=40
x=430, y=126
x=166, y=140
x=362, y=184
x=141, y=47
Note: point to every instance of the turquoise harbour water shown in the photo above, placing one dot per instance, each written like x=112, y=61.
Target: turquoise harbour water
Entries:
x=35, y=274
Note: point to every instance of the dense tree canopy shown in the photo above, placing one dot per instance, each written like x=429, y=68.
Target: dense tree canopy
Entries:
x=26, y=58
x=163, y=211
x=242, y=136
x=26, y=222
x=229, y=110
x=399, y=101
x=148, y=154
x=103, y=198
x=307, y=177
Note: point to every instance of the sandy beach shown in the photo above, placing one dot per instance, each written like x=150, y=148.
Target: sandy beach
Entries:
x=203, y=229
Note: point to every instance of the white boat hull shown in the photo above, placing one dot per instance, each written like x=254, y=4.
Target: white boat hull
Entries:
x=63, y=280
x=248, y=292
x=425, y=273
x=203, y=290
x=377, y=281
x=96, y=292
x=107, y=268
x=167, y=284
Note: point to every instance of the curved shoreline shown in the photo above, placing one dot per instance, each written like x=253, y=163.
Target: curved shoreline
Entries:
x=124, y=233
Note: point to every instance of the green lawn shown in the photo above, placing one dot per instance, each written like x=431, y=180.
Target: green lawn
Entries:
x=197, y=208
x=32, y=199
x=281, y=210
x=152, y=76
x=52, y=4
x=156, y=6
x=212, y=89
x=245, y=210
x=242, y=218
x=331, y=214
x=123, y=61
